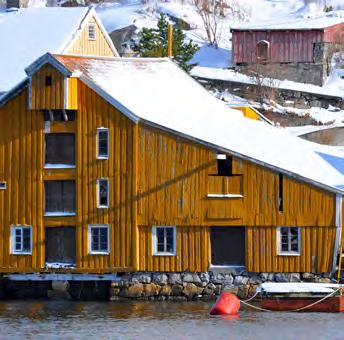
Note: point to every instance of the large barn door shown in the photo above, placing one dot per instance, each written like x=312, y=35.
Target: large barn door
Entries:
x=228, y=246
x=60, y=245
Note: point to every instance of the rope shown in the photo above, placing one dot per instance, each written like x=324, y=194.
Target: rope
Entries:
x=252, y=297
x=245, y=302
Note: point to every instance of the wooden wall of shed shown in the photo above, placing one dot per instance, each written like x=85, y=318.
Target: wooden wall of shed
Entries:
x=47, y=97
x=285, y=46
x=317, y=246
x=21, y=163
x=335, y=34
x=174, y=182
x=192, y=246
x=83, y=46
x=93, y=113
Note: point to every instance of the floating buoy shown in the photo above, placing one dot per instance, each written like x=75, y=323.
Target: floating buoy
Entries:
x=226, y=304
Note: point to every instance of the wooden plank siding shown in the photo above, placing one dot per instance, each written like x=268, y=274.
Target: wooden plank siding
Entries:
x=317, y=246
x=48, y=97
x=82, y=45
x=285, y=46
x=193, y=251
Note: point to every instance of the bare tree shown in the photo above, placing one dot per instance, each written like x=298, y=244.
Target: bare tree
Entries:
x=212, y=13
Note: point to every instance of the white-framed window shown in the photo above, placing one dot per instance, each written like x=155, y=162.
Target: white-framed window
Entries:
x=91, y=32
x=164, y=240
x=98, y=239
x=103, y=193
x=103, y=143
x=289, y=240
x=21, y=239
x=3, y=185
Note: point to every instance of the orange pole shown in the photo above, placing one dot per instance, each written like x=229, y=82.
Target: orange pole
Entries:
x=170, y=37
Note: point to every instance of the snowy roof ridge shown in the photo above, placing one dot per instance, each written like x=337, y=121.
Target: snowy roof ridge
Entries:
x=317, y=23
x=162, y=95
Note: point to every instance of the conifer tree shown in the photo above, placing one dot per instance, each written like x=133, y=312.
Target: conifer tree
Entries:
x=153, y=42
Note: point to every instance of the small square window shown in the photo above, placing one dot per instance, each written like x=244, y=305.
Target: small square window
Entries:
x=48, y=81
x=289, y=240
x=102, y=143
x=21, y=240
x=224, y=165
x=164, y=241
x=98, y=239
x=103, y=193
x=3, y=185
x=91, y=32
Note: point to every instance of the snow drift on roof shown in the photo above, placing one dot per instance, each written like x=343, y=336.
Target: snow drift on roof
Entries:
x=26, y=34
x=291, y=24
x=157, y=91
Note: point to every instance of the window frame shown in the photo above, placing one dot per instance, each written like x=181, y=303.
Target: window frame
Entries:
x=103, y=129
x=279, y=242
x=14, y=251
x=100, y=206
x=89, y=236
x=93, y=35
x=155, y=241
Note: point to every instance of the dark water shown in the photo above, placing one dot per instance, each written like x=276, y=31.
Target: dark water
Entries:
x=156, y=320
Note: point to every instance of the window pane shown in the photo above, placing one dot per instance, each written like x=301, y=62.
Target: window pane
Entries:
x=103, y=143
x=103, y=192
x=160, y=239
x=18, y=239
x=169, y=240
x=294, y=239
x=59, y=196
x=26, y=239
x=60, y=148
x=103, y=239
x=95, y=239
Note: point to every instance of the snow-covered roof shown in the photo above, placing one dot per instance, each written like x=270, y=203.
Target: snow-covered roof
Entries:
x=298, y=287
x=159, y=93
x=26, y=34
x=290, y=24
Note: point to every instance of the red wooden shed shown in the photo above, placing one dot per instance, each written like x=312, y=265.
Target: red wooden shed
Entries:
x=291, y=41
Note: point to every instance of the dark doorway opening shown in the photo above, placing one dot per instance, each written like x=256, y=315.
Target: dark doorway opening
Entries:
x=60, y=245
x=227, y=246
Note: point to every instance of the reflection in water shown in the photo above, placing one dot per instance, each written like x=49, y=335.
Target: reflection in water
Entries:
x=156, y=320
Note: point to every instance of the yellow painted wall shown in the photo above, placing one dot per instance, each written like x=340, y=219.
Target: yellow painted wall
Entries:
x=156, y=178
x=83, y=46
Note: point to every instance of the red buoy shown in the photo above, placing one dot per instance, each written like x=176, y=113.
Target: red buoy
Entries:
x=226, y=304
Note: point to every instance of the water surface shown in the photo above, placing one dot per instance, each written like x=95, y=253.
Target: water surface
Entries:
x=156, y=320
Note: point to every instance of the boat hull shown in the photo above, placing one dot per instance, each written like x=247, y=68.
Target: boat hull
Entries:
x=331, y=305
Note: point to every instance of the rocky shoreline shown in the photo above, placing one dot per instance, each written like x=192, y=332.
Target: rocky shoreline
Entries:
x=199, y=286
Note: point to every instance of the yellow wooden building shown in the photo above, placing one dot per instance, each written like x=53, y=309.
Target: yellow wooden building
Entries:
x=27, y=33
x=112, y=165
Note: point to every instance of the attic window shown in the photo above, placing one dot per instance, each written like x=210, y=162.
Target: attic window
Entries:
x=224, y=165
x=48, y=81
x=263, y=51
x=3, y=185
x=91, y=32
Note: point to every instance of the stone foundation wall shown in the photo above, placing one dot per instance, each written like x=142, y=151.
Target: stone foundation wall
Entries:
x=284, y=97
x=199, y=286
x=310, y=73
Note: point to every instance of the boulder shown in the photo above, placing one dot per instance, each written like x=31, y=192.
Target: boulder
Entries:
x=240, y=280
x=308, y=277
x=218, y=278
x=281, y=277
x=230, y=289
x=243, y=292
x=165, y=290
x=228, y=279
x=133, y=291
x=174, y=278
x=204, y=277
x=160, y=278
x=190, y=290
x=151, y=289
x=267, y=277
x=294, y=277
x=218, y=289
x=176, y=290
x=142, y=277
x=256, y=280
